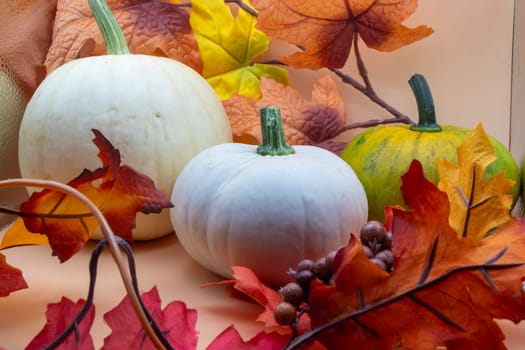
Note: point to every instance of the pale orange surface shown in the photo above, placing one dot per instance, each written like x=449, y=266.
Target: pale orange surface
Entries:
x=162, y=263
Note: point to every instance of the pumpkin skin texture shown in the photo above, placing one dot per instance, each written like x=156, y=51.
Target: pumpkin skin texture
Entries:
x=158, y=112
x=233, y=206
x=381, y=155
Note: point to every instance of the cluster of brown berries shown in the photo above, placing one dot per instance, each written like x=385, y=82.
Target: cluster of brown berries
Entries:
x=294, y=294
x=377, y=243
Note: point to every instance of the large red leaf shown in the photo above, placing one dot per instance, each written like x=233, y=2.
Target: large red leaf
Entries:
x=176, y=322
x=231, y=339
x=59, y=316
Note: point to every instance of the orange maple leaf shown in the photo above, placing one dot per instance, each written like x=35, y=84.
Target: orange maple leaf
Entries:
x=119, y=190
x=306, y=122
x=150, y=27
x=443, y=291
x=25, y=34
x=327, y=29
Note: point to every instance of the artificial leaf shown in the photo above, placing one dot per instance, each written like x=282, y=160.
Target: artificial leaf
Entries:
x=247, y=282
x=306, y=122
x=443, y=291
x=119, y=190
x=476, y=206
x=176, y=322
x=150, y=27
x=11, y=278
x=231, y=339
x=228, y=46
x=25, y=34
x=327, y=29
x=59, y=316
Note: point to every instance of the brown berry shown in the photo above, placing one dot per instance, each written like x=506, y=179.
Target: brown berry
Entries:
x=372, y=231
x=284, y=313
x=386, y=256
x=379, y=263
x=387, y=242
x=321, y=270
x=305, y=264
x=330, y=259
x=303, y=278
x=292, y=292
x=368, y=252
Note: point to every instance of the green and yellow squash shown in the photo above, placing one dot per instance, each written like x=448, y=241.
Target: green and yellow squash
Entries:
x=382, y=154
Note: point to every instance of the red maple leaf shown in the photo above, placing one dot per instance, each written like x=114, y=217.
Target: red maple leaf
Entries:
x=119, y=190
x=231, y=339
x=59, y=316
x=11, y=278
x=176, y=322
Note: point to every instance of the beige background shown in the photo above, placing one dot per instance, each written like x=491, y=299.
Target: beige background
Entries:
x=467, y=61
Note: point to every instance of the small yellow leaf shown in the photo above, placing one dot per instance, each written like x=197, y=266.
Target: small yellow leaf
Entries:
x=476, y=206
x=18, y=235
x=228, y=46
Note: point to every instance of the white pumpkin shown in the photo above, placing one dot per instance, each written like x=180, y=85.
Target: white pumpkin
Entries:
x=158, y=112
x=234, y=206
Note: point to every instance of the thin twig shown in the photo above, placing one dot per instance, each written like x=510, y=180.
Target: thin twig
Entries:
x=314, y=333
x=23, y=214
x=93, y=264
x=108, y=234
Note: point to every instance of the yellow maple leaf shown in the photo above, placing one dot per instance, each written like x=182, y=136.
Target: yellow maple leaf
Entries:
x=476, y=206
x=228, y=46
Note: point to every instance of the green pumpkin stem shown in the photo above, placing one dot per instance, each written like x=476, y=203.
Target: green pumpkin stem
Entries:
x=425, y=105
x=111, y=32
x=273, y=138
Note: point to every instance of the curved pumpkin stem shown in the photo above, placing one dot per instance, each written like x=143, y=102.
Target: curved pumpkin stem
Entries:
x=425, y=105
x=107, y=24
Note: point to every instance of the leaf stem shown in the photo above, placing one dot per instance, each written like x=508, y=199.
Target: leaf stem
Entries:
x=108, y=234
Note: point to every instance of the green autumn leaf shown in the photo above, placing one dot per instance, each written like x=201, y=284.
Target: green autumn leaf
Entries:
x=228, y=46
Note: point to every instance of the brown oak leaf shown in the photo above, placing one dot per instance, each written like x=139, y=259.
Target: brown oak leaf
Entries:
x=306, y=122
x=327, y=29
x=150, y=27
